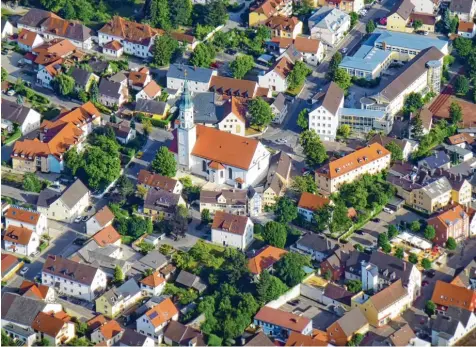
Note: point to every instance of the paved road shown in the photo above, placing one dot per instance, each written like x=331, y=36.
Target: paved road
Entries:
x=19, y=195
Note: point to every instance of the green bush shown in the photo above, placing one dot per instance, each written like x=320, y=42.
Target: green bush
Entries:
x=365, y=83
x=43, y=246
x=26, y=260
x=160, y=123
x=102, y=108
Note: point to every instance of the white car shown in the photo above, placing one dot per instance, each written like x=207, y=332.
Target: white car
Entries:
x=78, y=219
x=24, y=270
x=11, y=92
x=388, y=210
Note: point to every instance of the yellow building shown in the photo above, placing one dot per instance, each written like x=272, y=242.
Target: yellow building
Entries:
x=285, y=27
x=266, y=9
x=117, y=300
x=347, y=6
x=151, y=108
x=461, y=191
x=400, y=18
x=278, y=178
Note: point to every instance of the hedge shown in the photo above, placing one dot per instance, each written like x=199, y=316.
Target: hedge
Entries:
x=363, y=82
x=161, y=123
x=43, y=246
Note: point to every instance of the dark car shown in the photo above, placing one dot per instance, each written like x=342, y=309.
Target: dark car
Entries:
x=360, y=232
x=88, y=208
x=79, y=242
x=230, y=51
x=376, y=220
x=431, y=273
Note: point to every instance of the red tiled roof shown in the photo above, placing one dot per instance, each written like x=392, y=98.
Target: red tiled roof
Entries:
x=106, y=236
x=22, y=215
x=265, y=259
x=153, y=280
x=283, y=319
x=312, y=202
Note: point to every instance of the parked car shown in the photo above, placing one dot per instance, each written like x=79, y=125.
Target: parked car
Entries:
x=344, y=50
x=85, y=218
x=230, y=51
x=79, y=241
x=35, y=254
x=78, y=219
x=11, y=92
x=388, y=210
x=24, y=270
x=424, y=283
x=376, y=220
x=360, y=232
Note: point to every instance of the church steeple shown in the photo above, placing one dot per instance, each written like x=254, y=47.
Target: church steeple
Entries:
x=186, y=107
x=187, y=131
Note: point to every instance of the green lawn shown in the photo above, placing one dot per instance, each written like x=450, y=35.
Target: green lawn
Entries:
x=295, y=91
x=14, y=136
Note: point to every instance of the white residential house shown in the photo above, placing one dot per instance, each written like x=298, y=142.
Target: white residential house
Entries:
x=232, y=230
x=71, y=278
x=198, y=78
x=466, y=29
x=25, y=218
x=329, y=25
x=426, y=6
x=27, y=40
x=99, y=221
x=57, y=328
x=112, y=93
x=324, y=115
x=64, y=206
x=279, y=108
x=113, y=48
x=136, y=38
x=464, y=9
x=472, y=224
x=153, y=285
x=452, y=326
x=150, y=92
x=153, y=322
x=46, y=74
x=255, y=202
x=311, y=49
x=275, y=78
x=109, y=334
x=27, y=119
x=21, y=240
x=7, y=28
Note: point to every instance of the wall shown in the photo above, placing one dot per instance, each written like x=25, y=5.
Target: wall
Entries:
x=291, y=294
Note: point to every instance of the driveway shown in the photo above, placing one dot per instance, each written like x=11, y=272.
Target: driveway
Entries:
x=19, y=195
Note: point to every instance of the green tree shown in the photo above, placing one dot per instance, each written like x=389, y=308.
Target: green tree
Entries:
x=462, y=85
x=417, y=24
x=290, y=268
x=205, y=215
x=340, y=218
x=303, y=119
x=322, y=217
x=160, y=14
x=217, y=14
x=354, y=286
x=342, y=79
x=334, y=65
x=163, y=50
x=387, y=248
x=447, y=21
x=303, y=184
x=53, y=5
x=269, y=288
x=463, y=46
x=356, y=340
x=31, y=183
x=451, y=244
x=68, y=11
x=426, y=263
x=214, y=340
x=399, y=253
x=275, y=234
x=124, y=186
x=83, y=96
x=456, y=113
x=43, y=342
x=164, y=162
x=94, y=91
x=344, y=131
x=429, y=233
x=7, y=340
x=203, y=55
x=285, y=210
x=118, y=275
x=4, y=74
x=397, y=152
x=260, y=112
x=63, y=84
x=81, y=341
x=313, y=148
x=415, y=226
x=413, y=102
x=100, y=168
x=413, y=258
x=417, y=126
x=430, y=308
x=392, y=231
x=354, y=18
x=298, y=75
x=370, y=27
x=328, y=275
x=241, y=65
x=454, y=24
x=73, y=160
x=382, y=239
x=180, y=12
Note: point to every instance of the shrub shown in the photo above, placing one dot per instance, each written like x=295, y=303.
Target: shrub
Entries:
x=365, y=83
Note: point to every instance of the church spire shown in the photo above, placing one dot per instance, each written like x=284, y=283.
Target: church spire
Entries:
x=186, y=102
x=186, y=107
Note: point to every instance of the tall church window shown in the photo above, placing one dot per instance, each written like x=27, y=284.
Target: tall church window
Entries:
x=230, y=173
x=204, y=165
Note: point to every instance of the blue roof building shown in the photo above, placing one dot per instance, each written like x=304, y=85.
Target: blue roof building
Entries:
x=368, y=62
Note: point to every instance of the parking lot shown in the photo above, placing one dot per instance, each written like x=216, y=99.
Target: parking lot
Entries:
x=321, y=319
x=372, y=229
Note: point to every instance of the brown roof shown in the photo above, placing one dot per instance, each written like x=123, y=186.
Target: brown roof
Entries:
x=426, y=118
x=461, y=138
x=152, y=89
x=466, y=27
x=413, y=70
x=385, y=140
x=183, y=335
x=443, y=111
x=155, y=180
x=96, y=322
x=389, y=295
x=237, y=107
x=231, y=86
x=445, y=219
x=402, y=336
x=353, y=161
x=27, y=37
x=8, y=262
x=22, y=215
x=259, y=339
x=225, y=148
x=447, y=294
x=268, y=7
x=282, y=23
x=131, y=31
x=28, y=288
x=138, y=78
x=232, y=196
x=104, y=216
x=69, y=269
x=404, y=8
x=330, y=98
x=425, y=18
x=106, y=236
x=162, y=312
x=110, y=329
x=306, y=44
x=48, y=323
x=18, y=235
x=182, y=37
x=230, y=222
x=316, y=339
x=113, y=45
x=312, y=202
x=265, y=259
x=153, y=280
x=53, y=51
x=283, y=67
x=283, y=319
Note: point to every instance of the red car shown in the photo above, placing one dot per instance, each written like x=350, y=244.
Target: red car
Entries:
x=383, y=21
x=424, y=283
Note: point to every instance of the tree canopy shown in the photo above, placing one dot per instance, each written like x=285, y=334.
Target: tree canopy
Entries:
x=269, y=288
x=298, y=75
x=63, y=84
x=203, y=55
x=164, y=49
x=313, y=148
x=275, y=234
x=396, y=150
x=241, y=65
x=260, y=112
x=290, y=268
x=285, y=210
x=164, y=163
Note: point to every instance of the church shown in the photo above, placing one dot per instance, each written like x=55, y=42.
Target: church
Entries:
x=220, y=157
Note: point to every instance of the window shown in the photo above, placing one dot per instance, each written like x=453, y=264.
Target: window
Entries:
x=204, y=165
x=230, y=173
